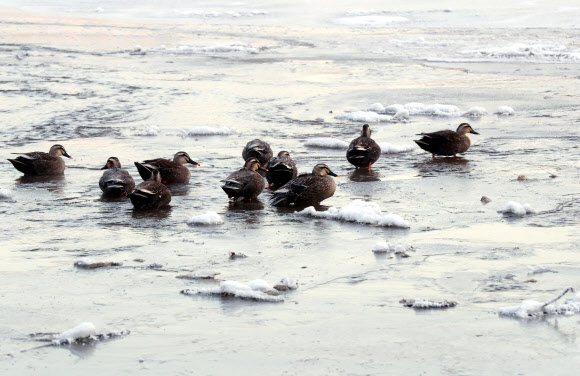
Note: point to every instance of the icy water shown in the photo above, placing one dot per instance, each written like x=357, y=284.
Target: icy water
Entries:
x=138, y=80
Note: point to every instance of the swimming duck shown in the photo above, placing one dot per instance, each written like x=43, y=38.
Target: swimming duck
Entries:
x=39, y=163
x=115, y=181
x=363, y=151
x=171, y=171
x=151, y=194
x=257, y=149
x=306, y=189
x=245, y=183
x=280, y=169
x=446, y=142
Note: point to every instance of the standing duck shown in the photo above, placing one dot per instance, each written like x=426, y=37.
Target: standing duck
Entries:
x=307, y=189
x=446, y=142
x=39, y=163
x=280, y=170
x=151, y=194
x=115, y=181
x=245, y=183
x=171, y=171
x=363, y=151
x=257, y=149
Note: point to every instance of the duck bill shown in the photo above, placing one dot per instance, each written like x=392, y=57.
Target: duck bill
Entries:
x=474, y=132
x=262, y=168
x=193, y=162
x=333, y=174
x=105, y=167
x=68, y=156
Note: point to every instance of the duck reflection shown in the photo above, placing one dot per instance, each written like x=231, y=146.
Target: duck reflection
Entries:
x=162, y=213
x=362, y=175
x=52, y=183
x=436, y=166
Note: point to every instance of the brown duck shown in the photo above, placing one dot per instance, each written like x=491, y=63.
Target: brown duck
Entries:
x=151, y=194
x=306, y=189
x=171, y=171
x=39, y=163
x=280, y=170
x=446, y=142
x=115, y=182
x=257, y=149
x=363, y=151
x=246, y=183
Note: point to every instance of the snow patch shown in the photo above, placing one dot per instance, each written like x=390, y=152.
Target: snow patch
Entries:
x=370, y=20
x=364, y=117
x=209, y=131
x=326, y=143
x=200, y=274
x=151, y=130
x=475, y=112
x=358, y=211
x=5, y=193
x=286, y=284
x=208, y=218
x=258, y=290
x=85, y=332
x=504, y=111
x=531, y=309
x=539, y=269
x=387, y=148
x=376, y=107
x=515, y=208
x=426, y=303
x=91, y=264
x=398, y=249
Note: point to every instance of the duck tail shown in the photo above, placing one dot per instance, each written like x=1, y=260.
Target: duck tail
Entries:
x=144, y=170
x=233, y=188
x=114, y=188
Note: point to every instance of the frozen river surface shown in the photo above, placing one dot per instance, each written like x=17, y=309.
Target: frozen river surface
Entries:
x=145, y=79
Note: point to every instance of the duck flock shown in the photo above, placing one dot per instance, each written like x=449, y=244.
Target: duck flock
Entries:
x=246, y=184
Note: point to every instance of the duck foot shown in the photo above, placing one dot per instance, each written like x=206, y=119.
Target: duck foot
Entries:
x=454, y=156
x=433, y=156
x=369, y=166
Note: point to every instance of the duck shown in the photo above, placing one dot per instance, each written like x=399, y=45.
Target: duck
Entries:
x=257, y=149
x=40, y=163
x=151, y=194
x=363, y=151
x=280, y=170
x=171, y=171
x=307, y=189
x=115, y=182
x=447, y=142
x=246, y=183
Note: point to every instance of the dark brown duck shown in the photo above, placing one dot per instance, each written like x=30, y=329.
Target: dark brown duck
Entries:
x=171, y=171
x=446, y=142
x=151, y=194
x=307, y=189
x=280, y=170
x=39, y=163
x=115, y=182
x=257, y=149
x=246, y=183
x=363, y=151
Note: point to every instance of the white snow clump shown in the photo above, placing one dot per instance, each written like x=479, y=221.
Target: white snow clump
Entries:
x=85, y=332
x=152, y=130
x=364, y=117
x=504, y=111
x=475, y=112
x=209, y=131
x=515, y=208
x=208, y=218
x=358, y=211
x=258, y=290
x=531, y=309
x=327, y=143
x=5, y=193
x=387, y=148
x=384, y=247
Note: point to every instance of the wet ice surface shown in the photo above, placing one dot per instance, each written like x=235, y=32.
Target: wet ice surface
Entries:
x=206, y=80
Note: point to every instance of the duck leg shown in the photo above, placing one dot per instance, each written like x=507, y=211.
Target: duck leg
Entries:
x=433, y=156
x=369, y=166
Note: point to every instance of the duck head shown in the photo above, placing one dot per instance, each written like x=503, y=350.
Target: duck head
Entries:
x=283, y=154
x=183, y=158
x=465, y=128
x=366, y=131
x=321, y=169
x=58, y=150
x=253, y=164
x=112, y=162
